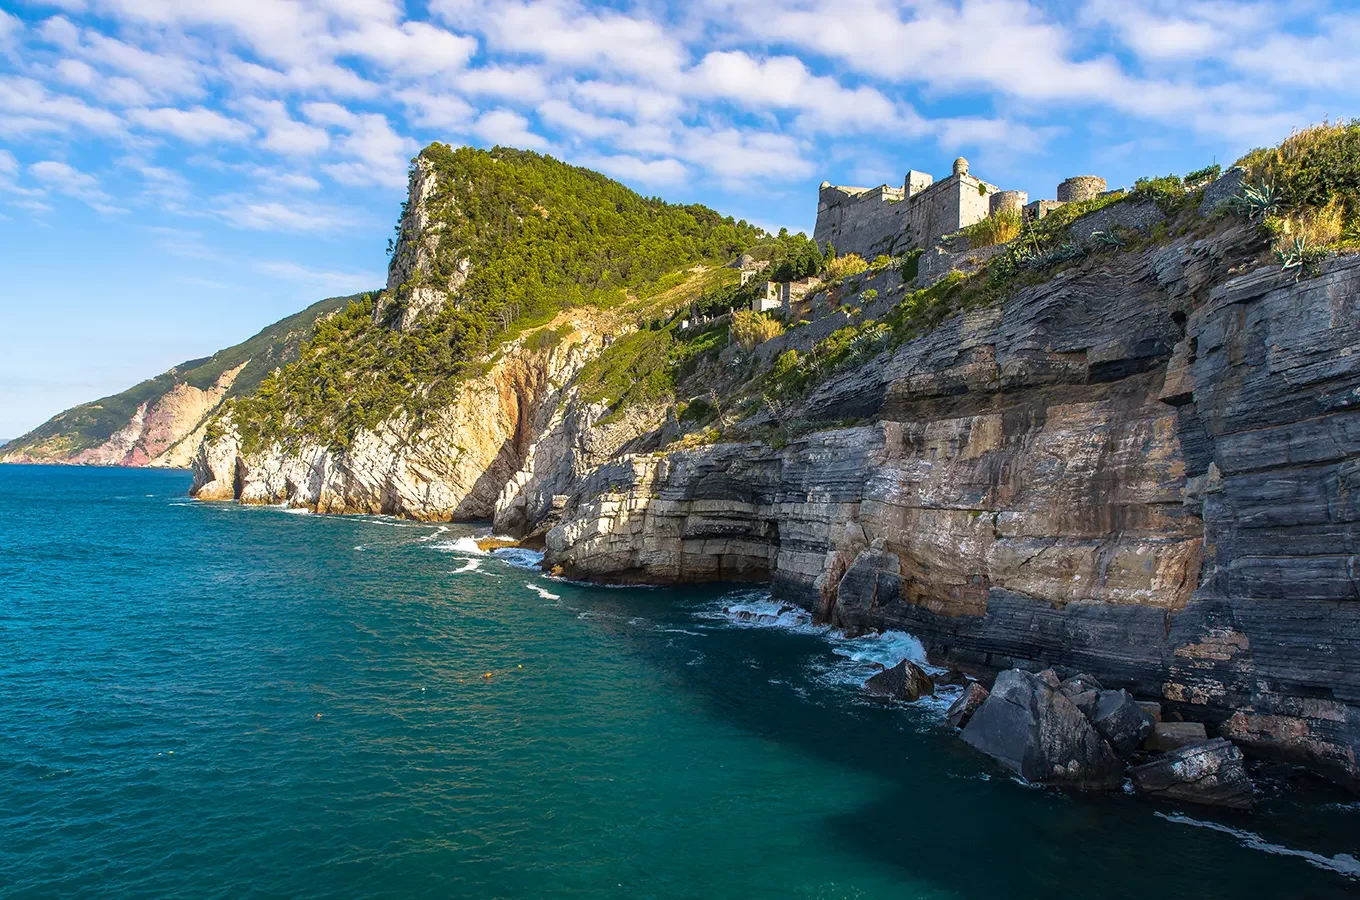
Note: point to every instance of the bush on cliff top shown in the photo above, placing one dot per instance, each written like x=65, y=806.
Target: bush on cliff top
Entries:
x=1307, y=191
x=541, y=236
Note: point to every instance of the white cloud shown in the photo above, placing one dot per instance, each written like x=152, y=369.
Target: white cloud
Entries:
x=283, y=133
x=444, y=111
x=25, y=100
x=631, y=100
x=272, y=215
x=565, y=32
x=198, y=125
x=735, y=156
x=561, y=114
x=630, y=168
x=518, y=84
x=324, y=281
x=414, y=48
x=784, y=82
x=10, y=26
x=508, y=129
x=71, y=182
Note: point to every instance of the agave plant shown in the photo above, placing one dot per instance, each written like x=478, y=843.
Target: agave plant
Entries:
x=1298, y=255
x=1258, y=201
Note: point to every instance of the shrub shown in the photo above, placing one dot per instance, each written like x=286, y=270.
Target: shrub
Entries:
x=1168, y=192
x=880, y=262
x=844, y=266
x=752, y=328
x=909, y=264
x=869, y=296
x=998, y=228
x=1200, y=177
x=1306, y=192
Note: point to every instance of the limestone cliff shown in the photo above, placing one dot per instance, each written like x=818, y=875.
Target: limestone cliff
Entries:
x=1144, y=468
x=1137, y=459
x=455, y=465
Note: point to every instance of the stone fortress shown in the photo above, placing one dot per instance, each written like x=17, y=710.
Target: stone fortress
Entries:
x=889, y=221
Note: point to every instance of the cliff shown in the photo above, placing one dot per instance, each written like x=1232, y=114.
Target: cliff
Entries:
x=1141, y=469
x=161, y=421
x=1124, y=444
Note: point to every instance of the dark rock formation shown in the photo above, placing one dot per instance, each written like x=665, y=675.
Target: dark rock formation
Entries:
x=962, y=709
x=1146, y=468
x=1120, y=720
x=1209, y=773
x=1172, y=735
x=904, y=681
x=1029, y=727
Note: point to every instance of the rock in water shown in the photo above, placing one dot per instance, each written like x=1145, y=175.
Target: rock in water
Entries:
x=904, y=681
x=1173, y=735
x=962, y=709
x=1031, y=728
x=1210, y=773
x=1121, y=721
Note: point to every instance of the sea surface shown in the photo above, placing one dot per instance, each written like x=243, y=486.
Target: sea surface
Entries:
x=205, y=700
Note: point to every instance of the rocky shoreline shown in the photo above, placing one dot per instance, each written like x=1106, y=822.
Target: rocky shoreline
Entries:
x=1144, y=468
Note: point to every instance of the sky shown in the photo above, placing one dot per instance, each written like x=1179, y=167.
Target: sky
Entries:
x=177, y=174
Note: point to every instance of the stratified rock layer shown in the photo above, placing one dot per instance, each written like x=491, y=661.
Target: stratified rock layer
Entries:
x=1145, y=468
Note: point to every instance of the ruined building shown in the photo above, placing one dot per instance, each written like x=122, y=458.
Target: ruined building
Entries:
x=888, y=220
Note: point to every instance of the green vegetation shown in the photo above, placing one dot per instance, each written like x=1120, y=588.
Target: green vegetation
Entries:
x=752, y=328
x=1306, y=192
x=998, y=228
x=539, y=237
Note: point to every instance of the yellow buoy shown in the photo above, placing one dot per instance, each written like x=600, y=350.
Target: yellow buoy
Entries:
x=487, y=675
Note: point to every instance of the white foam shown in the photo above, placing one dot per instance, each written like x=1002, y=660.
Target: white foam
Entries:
x=1342, y=863
x=755, y=609
x=460, y=545
x=296, y=510
x=546, y=595
x=519, y=557
x=886, y=649
x=434, y=535
x=470, y=565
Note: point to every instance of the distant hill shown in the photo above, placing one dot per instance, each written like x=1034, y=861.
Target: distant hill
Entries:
x=159, y=421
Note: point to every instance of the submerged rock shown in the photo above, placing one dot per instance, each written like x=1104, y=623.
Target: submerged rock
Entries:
x=1121, y=721
x=1210, y=773
x=904, y=681
x=962, y=709
x=1032, y=729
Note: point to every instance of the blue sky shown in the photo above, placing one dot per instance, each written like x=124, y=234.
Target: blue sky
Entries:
x=176, y=174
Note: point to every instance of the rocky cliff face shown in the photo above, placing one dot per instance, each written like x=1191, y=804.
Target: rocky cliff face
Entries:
x=456, y=465
x=1145, y=468
x=164, y=431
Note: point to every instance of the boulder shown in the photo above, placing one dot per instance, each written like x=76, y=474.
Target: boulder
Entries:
x=904, y=681
x=962, y=709
x=1121, y=721
x=1152, y=708
x=1032, y=729
x=1172, y=735
x=1210, y=773
x=1080, y=684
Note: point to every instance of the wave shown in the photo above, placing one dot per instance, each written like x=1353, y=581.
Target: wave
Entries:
x=1342, y=863
x=545, y=594
x=470, y=565
x=434, y=535
x=460, y=545
x=519, y=557
x=756, y=609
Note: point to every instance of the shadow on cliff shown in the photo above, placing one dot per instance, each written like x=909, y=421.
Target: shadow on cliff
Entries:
x=942, y=814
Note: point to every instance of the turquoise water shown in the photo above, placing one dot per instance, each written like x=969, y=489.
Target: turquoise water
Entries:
x=204, y=700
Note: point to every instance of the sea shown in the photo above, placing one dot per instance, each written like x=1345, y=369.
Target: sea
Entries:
x=207, y=700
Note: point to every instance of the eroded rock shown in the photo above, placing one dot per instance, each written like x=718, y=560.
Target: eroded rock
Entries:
x=904, y=681
x=968, y=703
x=1209, y=772
x=1032, y=729
x=1120, y=720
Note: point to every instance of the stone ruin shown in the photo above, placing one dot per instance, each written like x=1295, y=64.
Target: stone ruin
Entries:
x=889, y=221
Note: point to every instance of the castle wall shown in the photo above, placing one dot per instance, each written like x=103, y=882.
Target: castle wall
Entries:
x=859, y=220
